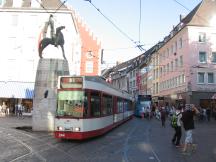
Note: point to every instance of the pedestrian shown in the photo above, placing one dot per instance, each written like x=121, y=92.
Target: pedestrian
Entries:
x=4, y=108
x=208, y=113
x=214, y=113
x=153, y=109
x=204, y=114
x=7, y=111
x=188, y=123
x=142, y=112
x=163, y=116
x=178, y=130
x=16, y=110
x=20, y=110
x=1, y=112
x=148, y=110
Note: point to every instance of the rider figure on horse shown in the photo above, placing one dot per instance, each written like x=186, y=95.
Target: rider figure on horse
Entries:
x=55, y=38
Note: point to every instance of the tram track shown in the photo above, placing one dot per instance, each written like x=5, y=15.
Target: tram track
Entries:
x=148, y=140
x=102, y=143
x=116, y=141
x=126, y=145
x=121, y=138
x=31, y=151
x=138, y=126
x=125, y=141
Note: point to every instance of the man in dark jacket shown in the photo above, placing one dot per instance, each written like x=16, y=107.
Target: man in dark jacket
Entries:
x=163, y=116
x=188, y=123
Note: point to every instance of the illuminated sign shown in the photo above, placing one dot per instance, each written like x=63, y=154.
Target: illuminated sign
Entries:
x=71, y=82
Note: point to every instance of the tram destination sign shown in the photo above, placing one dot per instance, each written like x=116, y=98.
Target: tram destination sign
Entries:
x=71, y=82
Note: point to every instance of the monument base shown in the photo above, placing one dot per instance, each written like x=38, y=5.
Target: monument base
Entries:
x=45, y=93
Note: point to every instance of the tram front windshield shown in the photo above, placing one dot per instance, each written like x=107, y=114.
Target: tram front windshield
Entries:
x=71, y=103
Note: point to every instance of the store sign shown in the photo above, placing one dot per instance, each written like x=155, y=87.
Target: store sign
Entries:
x=71, y=82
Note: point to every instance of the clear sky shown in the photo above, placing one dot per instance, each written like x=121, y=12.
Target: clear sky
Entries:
x=156, y=21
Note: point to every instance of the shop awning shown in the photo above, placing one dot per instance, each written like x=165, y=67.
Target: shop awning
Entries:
x=11, y=89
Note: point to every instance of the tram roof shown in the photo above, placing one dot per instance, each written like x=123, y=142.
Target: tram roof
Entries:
x=102, y=81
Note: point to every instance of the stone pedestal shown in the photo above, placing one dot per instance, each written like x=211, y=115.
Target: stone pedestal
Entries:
x=45, y=92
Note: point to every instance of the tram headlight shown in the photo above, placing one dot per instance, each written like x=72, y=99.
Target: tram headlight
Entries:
x=76, y=129
x=59, y=128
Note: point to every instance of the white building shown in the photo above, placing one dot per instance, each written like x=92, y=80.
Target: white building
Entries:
x=22, y=22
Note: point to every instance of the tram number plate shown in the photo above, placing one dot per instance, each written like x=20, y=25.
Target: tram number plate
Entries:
x=61, y=135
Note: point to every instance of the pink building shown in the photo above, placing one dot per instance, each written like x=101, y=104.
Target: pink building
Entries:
x=183, y=68
x=90, y=60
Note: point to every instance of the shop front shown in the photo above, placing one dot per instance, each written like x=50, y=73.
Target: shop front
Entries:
x=13, y=93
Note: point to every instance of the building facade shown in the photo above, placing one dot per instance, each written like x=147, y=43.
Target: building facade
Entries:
x=181, y=68
x=24, y=24
x=184, y=68
x=90, y=60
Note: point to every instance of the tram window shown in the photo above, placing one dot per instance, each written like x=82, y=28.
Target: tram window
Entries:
x=70, y=103
x=107, y=105
x=95, y=104
x=125, y=105
x=120, y=105
x=130, y=105
x=86, y=107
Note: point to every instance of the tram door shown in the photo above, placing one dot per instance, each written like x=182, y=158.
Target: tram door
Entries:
x=118, y=114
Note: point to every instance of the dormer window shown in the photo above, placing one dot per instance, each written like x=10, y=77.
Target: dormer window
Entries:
x=202, y=37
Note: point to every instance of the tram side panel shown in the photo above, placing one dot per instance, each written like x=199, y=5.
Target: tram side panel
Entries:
x=82, y=128
x=106, y=108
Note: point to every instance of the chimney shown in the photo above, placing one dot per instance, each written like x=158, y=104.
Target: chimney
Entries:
x=181, y=17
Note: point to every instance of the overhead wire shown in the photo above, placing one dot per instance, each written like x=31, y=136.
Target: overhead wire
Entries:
x=121, y=31
x=42, y=5
x=182, y=5
x=62, y=3
x=60, y=6
x=190, y=10
x=140, y=18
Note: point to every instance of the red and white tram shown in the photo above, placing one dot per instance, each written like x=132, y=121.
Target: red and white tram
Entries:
x=88, y=106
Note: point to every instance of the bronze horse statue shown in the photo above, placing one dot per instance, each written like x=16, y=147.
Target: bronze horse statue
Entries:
x=58, y=40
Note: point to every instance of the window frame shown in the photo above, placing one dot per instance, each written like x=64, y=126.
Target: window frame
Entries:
x=92, y=115
x=180, y=43
x=213, y=60
x=213, y=80
x=198, y=78
x=89, y=67
x=200, y=61
x=106, y=111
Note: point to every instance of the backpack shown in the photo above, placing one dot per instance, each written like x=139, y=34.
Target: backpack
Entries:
x=174, y=120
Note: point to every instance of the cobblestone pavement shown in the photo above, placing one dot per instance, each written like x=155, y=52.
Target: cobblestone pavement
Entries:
x=138, y=140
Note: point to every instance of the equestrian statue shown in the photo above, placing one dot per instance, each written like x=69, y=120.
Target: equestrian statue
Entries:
x=57, y=39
